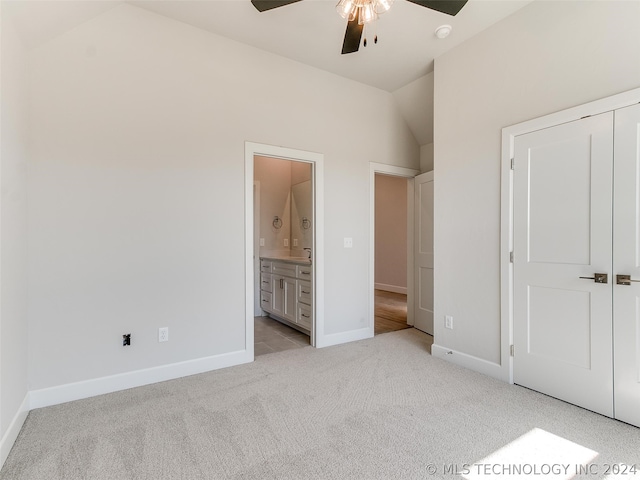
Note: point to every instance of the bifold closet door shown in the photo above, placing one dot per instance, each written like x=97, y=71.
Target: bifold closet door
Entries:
x=562, y=241
x=626, y=261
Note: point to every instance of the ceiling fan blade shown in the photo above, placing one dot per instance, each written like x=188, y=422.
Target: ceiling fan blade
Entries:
x=264, y=5
x=352, y=37
x=450, y=7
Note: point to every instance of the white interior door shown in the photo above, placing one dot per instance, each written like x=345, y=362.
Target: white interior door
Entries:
x=424, y=252
x=563, y=233
x=626, y=261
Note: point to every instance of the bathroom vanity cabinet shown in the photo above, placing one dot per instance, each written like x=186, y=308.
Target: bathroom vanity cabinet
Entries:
x=286, y=292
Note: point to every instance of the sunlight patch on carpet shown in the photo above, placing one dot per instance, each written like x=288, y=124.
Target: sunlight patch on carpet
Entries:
x=537, y=453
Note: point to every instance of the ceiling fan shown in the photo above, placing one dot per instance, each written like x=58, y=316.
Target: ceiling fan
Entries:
x=360, y=12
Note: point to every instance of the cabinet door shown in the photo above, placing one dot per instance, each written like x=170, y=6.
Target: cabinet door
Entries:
x=290, y=299
x=265, y=282
x=266, y=301
x=277, y=300
x=305, y=316
x=304, y=292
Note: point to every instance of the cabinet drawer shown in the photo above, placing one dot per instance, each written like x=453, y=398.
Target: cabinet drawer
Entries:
x=266, y=282
x=265, y=301
x=265, y=266
x=286, y=269
x=304, y=272
x=305, y=316
x=304, y=291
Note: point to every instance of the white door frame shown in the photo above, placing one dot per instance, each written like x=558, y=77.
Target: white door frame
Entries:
x=256, y=248
x=407, y=173
x=317, y=159
x=506, y=205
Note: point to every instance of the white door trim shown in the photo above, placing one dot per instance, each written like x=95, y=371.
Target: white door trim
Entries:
x=506, y=204
x=250, y=150
x=407, y=173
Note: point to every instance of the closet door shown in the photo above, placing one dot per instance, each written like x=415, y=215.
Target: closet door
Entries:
x=562, y=238
x=626, y=261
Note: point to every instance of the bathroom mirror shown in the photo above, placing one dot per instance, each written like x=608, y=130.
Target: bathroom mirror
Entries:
x=301, y=216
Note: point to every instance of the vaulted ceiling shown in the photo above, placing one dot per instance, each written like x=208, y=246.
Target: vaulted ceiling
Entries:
x=310, y=32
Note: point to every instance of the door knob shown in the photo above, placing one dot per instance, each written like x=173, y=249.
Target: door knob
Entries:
x=598, y=278
x=625, y=280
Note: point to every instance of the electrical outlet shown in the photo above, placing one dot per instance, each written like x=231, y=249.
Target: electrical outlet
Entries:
x=262, y=242
x=348, y=242
x=295, y=242
x=448, y=322
x=163, y=334
x=286, y=242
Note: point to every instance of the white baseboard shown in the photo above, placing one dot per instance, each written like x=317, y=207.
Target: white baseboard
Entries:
x=344, y=337
x=12, y=432
x=480, y=365
x=390, y=288
x=123, y=381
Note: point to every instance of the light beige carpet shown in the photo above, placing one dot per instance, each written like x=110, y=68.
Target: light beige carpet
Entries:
x=381, y=408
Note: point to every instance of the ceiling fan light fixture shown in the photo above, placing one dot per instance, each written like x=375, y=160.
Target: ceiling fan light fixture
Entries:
x=383, y=6
x=346, y=8
x=367, y=13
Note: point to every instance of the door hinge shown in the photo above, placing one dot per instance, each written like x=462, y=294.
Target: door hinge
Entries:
x=510, y=257
x=512, y=162
x=511, y=350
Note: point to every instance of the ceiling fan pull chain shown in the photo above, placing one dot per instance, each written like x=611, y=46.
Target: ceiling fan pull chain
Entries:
x=375, y=32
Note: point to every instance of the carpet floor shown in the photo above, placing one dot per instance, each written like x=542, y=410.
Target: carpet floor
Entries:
x=381, y=408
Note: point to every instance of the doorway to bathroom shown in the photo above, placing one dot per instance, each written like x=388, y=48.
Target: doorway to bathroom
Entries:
x=284, y=250
x=283, y=245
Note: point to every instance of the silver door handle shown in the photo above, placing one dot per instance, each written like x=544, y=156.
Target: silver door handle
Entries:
x=598, y=278
x=625, y=280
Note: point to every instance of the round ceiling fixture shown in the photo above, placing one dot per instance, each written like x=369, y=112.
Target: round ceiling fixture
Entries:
x=443, y=31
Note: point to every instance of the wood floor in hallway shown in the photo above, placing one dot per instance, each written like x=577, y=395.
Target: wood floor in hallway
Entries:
x=390, y=312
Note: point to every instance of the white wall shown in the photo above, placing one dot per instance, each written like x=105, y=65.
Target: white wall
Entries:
x=426, y=158
x=13, y=229
x=415, y=101
x=391, y=233
x=136, y=211
x=548, y=56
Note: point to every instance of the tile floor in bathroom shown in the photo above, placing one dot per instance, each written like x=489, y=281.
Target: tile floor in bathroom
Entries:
x=272, y=336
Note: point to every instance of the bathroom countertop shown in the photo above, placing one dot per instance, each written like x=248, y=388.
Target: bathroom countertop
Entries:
x=282, y=258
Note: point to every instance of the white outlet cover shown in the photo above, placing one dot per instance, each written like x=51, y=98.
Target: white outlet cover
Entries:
x=448, y=322
x=286, y=242
x=262, y=242
x=163, y=334
x=295, y=242
x=348, y=242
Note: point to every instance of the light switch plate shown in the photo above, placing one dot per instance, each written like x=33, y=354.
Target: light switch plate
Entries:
x=262, y=242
